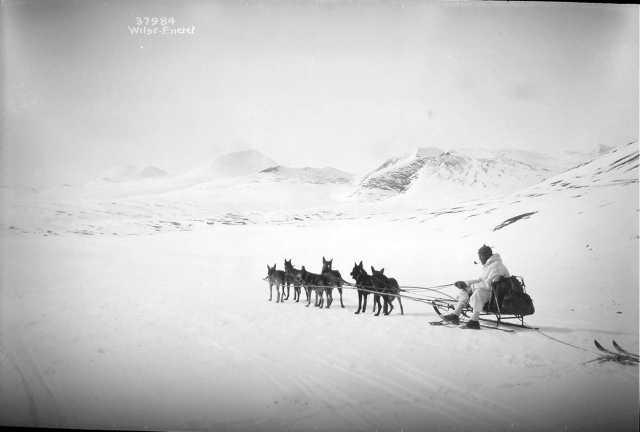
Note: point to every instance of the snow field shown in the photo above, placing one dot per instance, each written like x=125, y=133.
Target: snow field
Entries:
x=173, y=330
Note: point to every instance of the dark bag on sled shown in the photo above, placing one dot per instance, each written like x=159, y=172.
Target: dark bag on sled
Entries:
x=508, y=297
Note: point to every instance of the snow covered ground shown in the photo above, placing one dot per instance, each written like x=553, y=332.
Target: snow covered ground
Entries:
x=134, y=308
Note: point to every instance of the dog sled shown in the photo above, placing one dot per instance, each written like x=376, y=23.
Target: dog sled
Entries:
x=509, y=303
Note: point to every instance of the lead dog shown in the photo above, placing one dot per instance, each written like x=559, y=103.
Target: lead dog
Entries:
x=277, y=278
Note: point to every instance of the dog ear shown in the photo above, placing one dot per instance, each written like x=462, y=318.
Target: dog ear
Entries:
x=382, y=271
x=323, y=260
x=361, y=264
x=372, y=269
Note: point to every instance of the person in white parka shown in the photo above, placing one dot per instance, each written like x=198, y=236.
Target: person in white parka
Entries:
x=477, y=292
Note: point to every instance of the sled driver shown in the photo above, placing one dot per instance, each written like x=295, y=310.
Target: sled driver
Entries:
x=477, y=292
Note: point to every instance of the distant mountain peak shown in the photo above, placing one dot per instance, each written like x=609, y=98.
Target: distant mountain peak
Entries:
x=131, y=172
x=323, y=175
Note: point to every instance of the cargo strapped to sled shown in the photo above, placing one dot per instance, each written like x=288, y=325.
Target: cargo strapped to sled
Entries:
x=509, y=300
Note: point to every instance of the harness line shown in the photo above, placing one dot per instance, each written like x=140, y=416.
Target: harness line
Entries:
x=359, y=288
x=406, y=288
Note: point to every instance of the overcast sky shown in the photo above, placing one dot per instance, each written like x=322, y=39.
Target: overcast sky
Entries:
x=340, y=83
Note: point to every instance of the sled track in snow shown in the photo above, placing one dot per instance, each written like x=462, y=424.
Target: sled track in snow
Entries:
x=43, y=405
x=33, y=409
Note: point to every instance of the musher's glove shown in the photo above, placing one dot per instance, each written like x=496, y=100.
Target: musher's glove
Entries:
x=461, y=284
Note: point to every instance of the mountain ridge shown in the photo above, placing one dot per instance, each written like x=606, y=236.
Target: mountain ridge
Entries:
x=307, y=174
x=429, y=170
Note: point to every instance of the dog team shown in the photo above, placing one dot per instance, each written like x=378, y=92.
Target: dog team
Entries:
x=321, y=285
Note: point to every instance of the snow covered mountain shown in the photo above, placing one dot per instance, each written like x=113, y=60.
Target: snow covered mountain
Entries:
x=617, y=166
x=554, y=161
x=324, y=175
x=131, y=173
x=432, y=175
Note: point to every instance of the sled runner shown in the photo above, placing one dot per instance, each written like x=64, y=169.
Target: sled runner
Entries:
x=459, y=325
x=509, y=301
